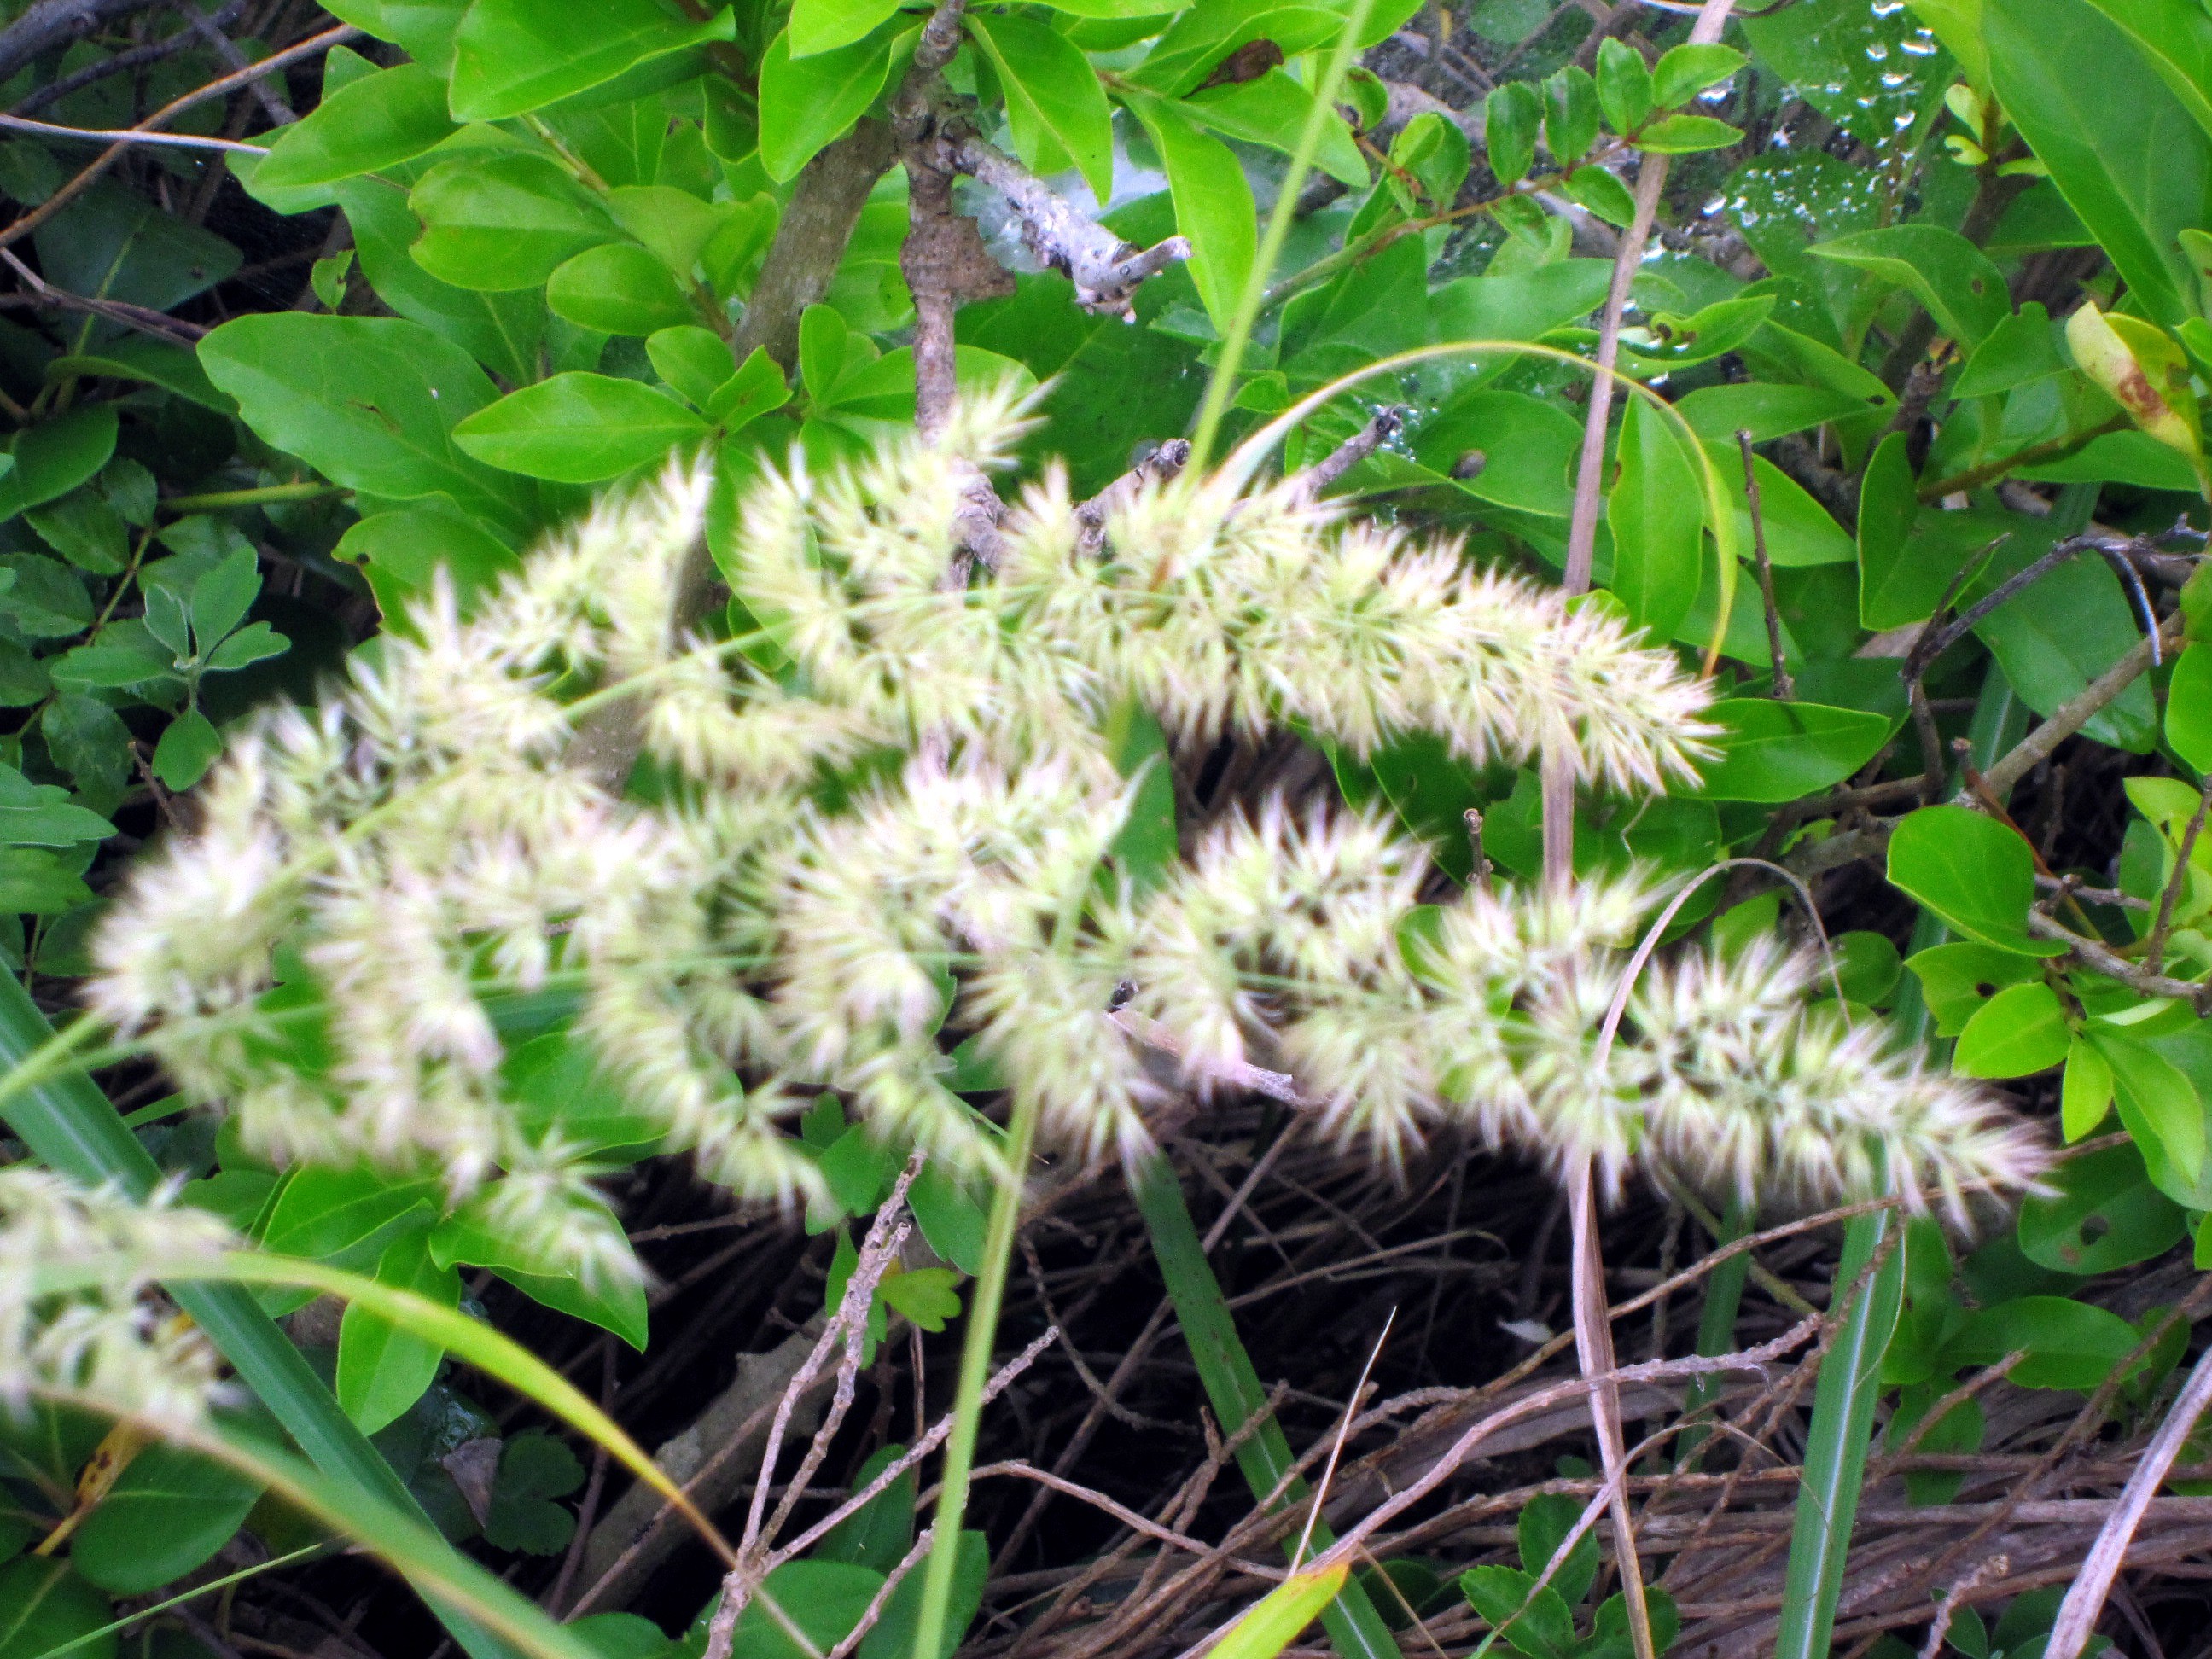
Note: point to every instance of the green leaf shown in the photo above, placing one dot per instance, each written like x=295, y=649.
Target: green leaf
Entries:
x=675, y=224
x=55, y=456
x=2056, y=637
x=1624, y=85
x=1963, y=291
x=805, y=103
x=189, y=745
x=40, y=815
x=389, y=117
x=1212, y=203
x=423, y=28
x=578, y=428
x=1602, y=194
x=2188, y=708
x=1682, y=72
x=534, y=1468
x=1544, y=1522
x=1868, y=964
x=348, y=1216
x=1571, y=114
x=951, y=1220
x=503, y=331
x=114, y=244
x=617, y=288
x=543, y=1264
x=1526, y=447
x=402, y=552
x=383, y=1369
x=1054, y=101
x=2070, y=1344
x=1535, y=1622
x=222, y=595
x=1656, y=514
x=88, y=740
x=45, y=1605
x=1272, y=110
x=1799, y=530
x=1888, y=506
x=1274, y=1622
x=563, y=1096
x=1774, y=751
x=2092, y=131
x=696, y=361
x=39, y=883
x=514, y=55
x=819, y=25
x=2018, y=1032
x=2085, y=1094
x=1200, y=37
x=85, y=529
x=2019, y=351
x=924, y=1295
x=45, y=600
x=370, y=403
x=757, y=388
x=507, y=219
x=1973, y=872
x=824, y=1599
x=255, y=642
x=1686, y=135
x=1510, y=116
x=1717, y=413
x=2099, y=1213
x=168, y=1512
x=2163, y=1110
x=1956, y=980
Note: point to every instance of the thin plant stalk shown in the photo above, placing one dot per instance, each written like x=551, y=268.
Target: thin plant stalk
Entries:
x=1223, y=381
x=1232, y=1386
x=1843, y=1399
x=987, y=1297
x=70, y=1127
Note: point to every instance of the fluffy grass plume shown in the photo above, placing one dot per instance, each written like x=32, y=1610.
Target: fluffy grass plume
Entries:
x=891, y=803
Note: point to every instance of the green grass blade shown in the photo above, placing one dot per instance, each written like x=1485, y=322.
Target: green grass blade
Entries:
x=1717, y=1325
x=69, y=1126
x=1274, y=1622
x=1843, y=1399
x=1355, y=1629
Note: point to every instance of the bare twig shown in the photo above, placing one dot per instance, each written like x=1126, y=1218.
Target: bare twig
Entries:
x=143, y=318
x=2077, y=1614
x=127, y=136
x=123, y=62
x=1384, y=425
x=2092, y=953
x=2078, y=710
x=1106, y=271
x=52, y=23
x=1165, y=463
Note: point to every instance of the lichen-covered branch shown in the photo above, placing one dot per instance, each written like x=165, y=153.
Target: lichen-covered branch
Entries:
x=1106, y=271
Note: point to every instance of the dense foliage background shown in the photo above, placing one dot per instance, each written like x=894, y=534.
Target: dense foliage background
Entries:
x=309, y=305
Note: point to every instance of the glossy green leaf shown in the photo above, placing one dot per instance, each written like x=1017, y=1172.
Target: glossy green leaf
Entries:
x=502, y=331
x=617, y=288
x=1054, y=101
x=85, y=529
x=1534, y=1621
x=1976, y=873
x=1799, y=530
x=2165, y=1113
x=423, y=28
x=818, y=26
x=2093, y=132
x=1868, y=965
x=1778, y=751
x=1717, y=413
x=2188, y=708
x=514, y=55
x=1570, y=113
x=1962, y=289
x=54, y=456
x=1544, y=1522
x=2019, y=1032
x=2070, y=1344
x=46, y=1605
x=1212, y=202
x=383, y=1369
x=805, y=103
x=542, y=1261
x=368, y=402
x=506, y=220
x=189, y=745
x=1201, y=36
x=1511, y=117
x=756, y=388
x=391, y=116
x=2019, y=351
x=1687, y=135
x=1624, y=85
x=578, y=428
x=1956, y=980
x=1657, y=520
x=2099, y=1215
x=2085, y=1095
x=168, y=1512
x=346, y=1216
x=1272, y=110
x=401, y=553
x=1684, y=72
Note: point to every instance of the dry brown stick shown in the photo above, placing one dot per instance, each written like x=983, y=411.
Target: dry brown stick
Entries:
x=24, y=225
x=2077, y=1614
x=51, y=23
x=2077, y=710
x=1385, y=424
